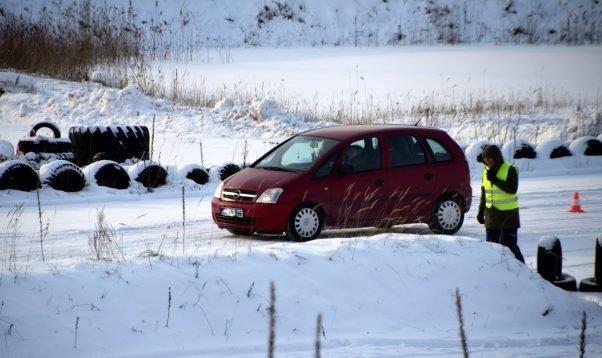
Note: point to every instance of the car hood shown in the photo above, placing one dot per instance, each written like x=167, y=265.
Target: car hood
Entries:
x=258, y=180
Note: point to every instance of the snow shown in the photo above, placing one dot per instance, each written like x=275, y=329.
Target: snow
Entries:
x=7, y=150
x=548, y=242
x=366, y=23
x=5, y=165
x=178, y=286
x=580, y=144
x=55, y=167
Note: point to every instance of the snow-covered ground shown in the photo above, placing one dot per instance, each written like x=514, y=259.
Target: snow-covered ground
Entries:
x=180, y=287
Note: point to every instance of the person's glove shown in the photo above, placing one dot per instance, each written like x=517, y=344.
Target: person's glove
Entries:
x=491, y=175
x=481, y=217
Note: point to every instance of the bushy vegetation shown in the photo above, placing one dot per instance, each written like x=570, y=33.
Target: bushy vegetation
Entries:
x=113, y=46
x=71, y=49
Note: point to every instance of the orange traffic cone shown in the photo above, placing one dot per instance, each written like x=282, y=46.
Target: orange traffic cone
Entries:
x=576, y=207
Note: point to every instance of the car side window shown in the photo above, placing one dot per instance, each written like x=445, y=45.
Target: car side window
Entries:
x=405, y=150
x=440, y=151
x=326, y=168
x=361, y=155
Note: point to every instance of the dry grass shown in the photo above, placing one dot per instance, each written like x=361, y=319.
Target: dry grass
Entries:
x=68, y=50
x=103, y=241
x=106, y=44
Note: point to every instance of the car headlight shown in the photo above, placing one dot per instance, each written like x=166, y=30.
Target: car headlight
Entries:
x=218, y=190
x=270, y=196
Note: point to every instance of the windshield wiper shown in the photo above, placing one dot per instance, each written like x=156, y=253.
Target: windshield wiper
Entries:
x=275, y=168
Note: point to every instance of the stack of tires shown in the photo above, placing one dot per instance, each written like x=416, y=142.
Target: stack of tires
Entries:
x=116, y=143
x=580, y=148
x=91, y=154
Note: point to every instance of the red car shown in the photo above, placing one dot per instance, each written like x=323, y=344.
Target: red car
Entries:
x=348, y=176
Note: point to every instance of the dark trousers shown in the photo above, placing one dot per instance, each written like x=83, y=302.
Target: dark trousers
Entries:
x=508, y=238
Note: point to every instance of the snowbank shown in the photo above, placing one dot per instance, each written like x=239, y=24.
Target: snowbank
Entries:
x=202, y=24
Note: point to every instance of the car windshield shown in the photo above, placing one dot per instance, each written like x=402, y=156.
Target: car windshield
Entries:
x=298, y=154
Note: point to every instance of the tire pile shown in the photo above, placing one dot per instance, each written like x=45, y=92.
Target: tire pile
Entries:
x=91, y=154
x=551, y=149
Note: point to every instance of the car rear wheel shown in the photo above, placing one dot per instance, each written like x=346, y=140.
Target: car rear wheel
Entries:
x=447, y=217
x=305, y=223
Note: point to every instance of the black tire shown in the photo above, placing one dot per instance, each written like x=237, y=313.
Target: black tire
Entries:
x=227, y=170
x=305, y=223
x=525, y=151
x=549, y=258
x=149, y=174
x=566, y=282
x=198, y=175
x=561, y=151
x=63, y=175
x=447, y=217
x=53, y=127
x=109, y=174
x=590, y=285
x=44, y=145
x=18, y=175
x=593, y=147
x=116, y=143
x=135, y=139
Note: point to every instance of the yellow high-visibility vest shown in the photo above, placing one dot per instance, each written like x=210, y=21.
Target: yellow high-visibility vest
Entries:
x=496, y=197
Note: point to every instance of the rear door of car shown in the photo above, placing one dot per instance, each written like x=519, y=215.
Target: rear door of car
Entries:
x=411, y=178
x=449, y=167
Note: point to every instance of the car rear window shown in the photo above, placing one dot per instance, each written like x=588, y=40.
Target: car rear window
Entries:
x=440, y=152
x=404, y=150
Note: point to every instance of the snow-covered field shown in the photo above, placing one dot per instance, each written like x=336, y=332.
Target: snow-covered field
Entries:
x=180, y=287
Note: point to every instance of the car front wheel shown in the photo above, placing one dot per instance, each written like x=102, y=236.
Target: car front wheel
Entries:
x=447, y=217
x=305, y=223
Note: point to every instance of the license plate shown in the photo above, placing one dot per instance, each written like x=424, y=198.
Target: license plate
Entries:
x=232, y=212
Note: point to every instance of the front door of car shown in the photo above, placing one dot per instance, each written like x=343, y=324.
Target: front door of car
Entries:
x=410, y=179
x=358, y=188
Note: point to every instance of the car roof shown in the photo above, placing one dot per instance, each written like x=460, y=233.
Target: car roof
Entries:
x=344, y=132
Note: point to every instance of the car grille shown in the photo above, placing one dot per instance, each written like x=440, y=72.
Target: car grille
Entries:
x=238, y=195
x=235, y=220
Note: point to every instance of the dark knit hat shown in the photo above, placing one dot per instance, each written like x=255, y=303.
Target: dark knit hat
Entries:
x=493, y=151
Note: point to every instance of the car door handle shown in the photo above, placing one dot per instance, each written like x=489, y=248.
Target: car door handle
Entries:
x=380, y=182
x=428, y=176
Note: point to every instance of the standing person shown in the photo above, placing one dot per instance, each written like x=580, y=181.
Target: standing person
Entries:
x=498, y=208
